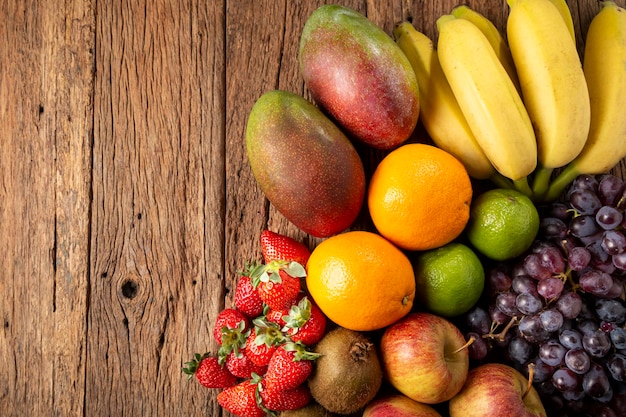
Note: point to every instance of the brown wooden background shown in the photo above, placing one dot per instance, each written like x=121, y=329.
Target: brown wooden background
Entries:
x=126, y=200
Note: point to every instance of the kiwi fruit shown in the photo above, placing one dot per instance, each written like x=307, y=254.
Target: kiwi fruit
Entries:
x=348, y=374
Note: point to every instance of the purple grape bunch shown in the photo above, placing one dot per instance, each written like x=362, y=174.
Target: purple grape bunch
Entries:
x=558, y=313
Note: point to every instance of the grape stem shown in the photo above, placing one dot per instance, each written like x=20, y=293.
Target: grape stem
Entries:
x=501, y=335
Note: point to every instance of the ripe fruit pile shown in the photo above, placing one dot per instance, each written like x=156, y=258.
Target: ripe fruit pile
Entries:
x=560, y=308
x=550, y=325
x=265, y=356
x=516, y=109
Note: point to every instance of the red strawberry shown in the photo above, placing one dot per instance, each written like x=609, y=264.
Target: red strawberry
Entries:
x=289, y=366
x=305, y=322
x=209, y=372
x=279, y=247
x=240, y=365
x=280, y=400
x=229, y=319
x=247, y=299
x=231, y=331
x=263, y=341
x=278, y=283
x=277, y=316
x=241, y=400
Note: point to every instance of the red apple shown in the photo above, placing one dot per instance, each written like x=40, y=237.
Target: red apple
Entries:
x=398, y=405
x=496, y=389
x=425, y=357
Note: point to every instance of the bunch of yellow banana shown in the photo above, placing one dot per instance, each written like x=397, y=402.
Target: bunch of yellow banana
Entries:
x=604, y=65
x=517, y=111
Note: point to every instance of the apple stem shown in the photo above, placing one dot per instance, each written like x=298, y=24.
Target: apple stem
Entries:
x=500, y=336
x=531, y=374
x=466, y=345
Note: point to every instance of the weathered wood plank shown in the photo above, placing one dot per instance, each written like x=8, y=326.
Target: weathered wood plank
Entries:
x=46, y=113
x=158, y=204
x=126, y=201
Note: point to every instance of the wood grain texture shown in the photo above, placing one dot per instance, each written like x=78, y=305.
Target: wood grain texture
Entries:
x=127, y=205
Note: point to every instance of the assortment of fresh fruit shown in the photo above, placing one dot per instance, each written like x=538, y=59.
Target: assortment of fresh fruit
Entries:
x=560, y=308
x=519, y=308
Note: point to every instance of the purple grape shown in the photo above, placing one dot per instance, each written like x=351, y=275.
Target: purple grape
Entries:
x=582, y=226
x=609, y=217
x=578, y=361
x=552, y=353
x=585, y=202
x=587, y=326
x=497, y=316
x=550, y=288
x=616, y=364
x=612, y=310
x=531, y=329
x=596, y=343
x=505, y=302
x=579, y=257
x=478, y=349
x=595, y=282
x=571, y=339
x=535, y=268
x=520, y=350
x=598, y=254
x=613, y=242
x=552, y=259
x=553, y=228
x=618, y=338
x=524, y=283
x=564, y=379
x=584, y=182
x=569, y=304
x=498, y=280
x=478, y=320
x=558, y=210
x=595, y=382
x=610, y=189
x=619, y=261
x=551, y=320
x=616, y=291
x=528, y=303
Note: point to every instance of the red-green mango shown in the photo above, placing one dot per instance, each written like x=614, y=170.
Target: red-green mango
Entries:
x=360, y=76
x=304, y=164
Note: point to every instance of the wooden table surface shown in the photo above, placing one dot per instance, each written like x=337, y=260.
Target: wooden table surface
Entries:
x=126, y=201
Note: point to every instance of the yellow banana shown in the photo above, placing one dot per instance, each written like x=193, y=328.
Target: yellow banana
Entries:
x=488, y=98
x=566, y=14
x=493, y=35
x=553, y=84
x=604, y=66
x=439, y=112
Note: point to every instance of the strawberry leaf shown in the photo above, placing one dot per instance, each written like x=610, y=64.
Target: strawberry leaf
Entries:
x=296, y=270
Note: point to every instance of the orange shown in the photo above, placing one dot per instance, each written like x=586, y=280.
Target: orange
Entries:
x=360, y=280
x=419, y=197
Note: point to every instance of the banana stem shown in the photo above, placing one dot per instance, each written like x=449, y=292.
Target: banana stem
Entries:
x=560, y=183
x=522, y=186
x=501, y=181
x=541, y=182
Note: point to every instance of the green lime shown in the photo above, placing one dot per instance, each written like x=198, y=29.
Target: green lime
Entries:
x=449, y=280
x=503, y=224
